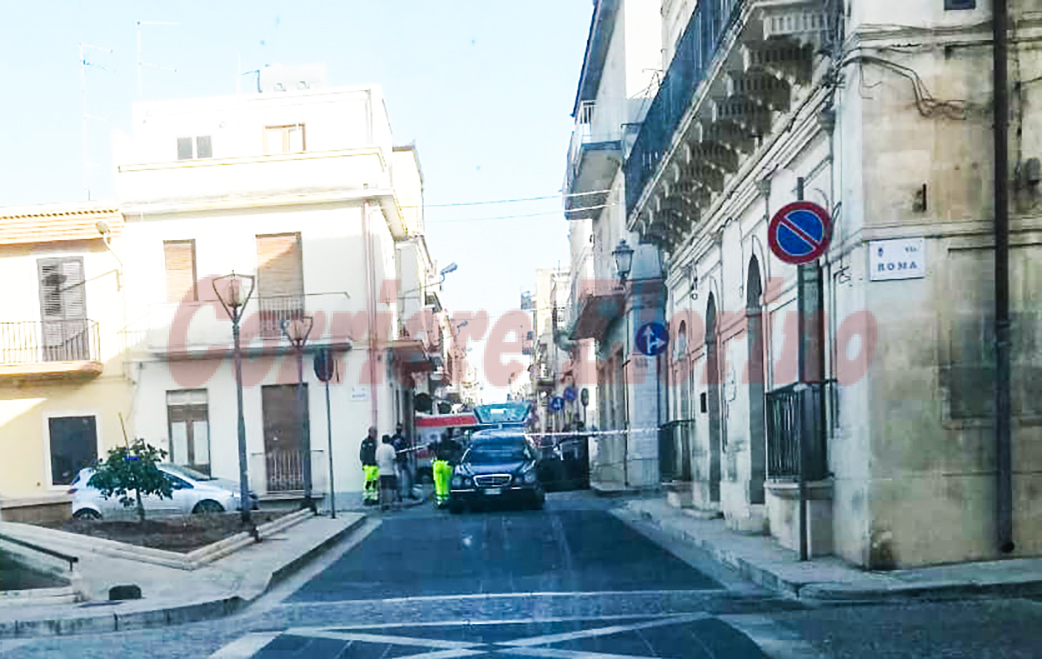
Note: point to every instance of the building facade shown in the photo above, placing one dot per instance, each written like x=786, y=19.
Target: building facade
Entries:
x=882, y=114
x=64, y=400
x=607, y=306
x=301, y=189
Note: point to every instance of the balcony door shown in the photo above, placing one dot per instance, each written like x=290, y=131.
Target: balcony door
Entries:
x=283, y=437
x=64, y=334
x=280, y=281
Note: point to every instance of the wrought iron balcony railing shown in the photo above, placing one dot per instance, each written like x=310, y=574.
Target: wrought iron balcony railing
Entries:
x=796, y=415
x=38, y=342
x=277, y=309
x=697, y=49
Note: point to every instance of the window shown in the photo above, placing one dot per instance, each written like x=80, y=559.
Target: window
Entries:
x=284, y=139
x=180, y=271
x=960, y=4
x=280, y=281
x=188, y=418
x=63, y=310
x=189, y=148
x=74, y=446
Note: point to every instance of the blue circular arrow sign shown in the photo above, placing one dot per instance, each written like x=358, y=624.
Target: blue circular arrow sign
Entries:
x=800, y=232
x=652, y=339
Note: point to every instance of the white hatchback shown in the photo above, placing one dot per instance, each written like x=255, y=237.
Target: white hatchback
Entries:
x=193, y=492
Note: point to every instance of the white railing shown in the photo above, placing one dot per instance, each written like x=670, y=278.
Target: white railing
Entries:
x=195, y=327
x=594, y=122
x=285, y=470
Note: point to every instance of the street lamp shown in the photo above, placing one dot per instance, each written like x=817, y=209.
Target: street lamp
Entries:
x=297, y=331
x=623, y=255
x=233, y=294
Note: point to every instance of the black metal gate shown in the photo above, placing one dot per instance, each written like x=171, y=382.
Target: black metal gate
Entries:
x=796, y=414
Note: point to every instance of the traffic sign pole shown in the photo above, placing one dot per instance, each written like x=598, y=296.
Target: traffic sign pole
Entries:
x=811, y=361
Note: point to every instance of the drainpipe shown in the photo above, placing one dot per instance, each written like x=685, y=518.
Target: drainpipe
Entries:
x=370, y=284
x=1003, y=449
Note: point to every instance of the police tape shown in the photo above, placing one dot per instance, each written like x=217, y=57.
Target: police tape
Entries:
x=593, y=433
x=574, y=433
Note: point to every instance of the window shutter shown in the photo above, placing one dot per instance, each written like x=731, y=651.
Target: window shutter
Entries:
x=279, y=266
x=203, y=147
x=63, y=308
x=51, y=311
x=184, y=148
x=180, y=270
x=74, y=295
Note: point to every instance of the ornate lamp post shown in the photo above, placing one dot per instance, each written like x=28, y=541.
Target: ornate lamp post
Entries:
x=234, y=292
x=297, y=331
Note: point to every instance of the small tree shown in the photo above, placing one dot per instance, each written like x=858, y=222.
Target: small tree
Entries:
x=130, y=472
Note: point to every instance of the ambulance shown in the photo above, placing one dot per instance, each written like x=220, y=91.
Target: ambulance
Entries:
x=429, y=428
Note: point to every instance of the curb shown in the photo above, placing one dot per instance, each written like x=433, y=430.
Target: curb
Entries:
x=830, y=591
x=192, y=560
x=164, y=617
x=946, y=590
x=287, y=570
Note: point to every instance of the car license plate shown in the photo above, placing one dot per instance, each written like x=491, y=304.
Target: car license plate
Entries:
x=493, y=491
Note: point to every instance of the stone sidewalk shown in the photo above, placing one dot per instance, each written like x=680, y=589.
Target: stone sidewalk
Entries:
x=761, y=560
x=173, y=596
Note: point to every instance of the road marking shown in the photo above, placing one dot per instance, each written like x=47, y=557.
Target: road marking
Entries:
x=704, y=592
x=448, y=654
x=604, y=631
x=566, y=654
x=246, y=647
x=509, y=621
x=332, y=634
x=773, y=639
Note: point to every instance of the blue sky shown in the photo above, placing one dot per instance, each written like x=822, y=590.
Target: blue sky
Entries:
x=484, y=87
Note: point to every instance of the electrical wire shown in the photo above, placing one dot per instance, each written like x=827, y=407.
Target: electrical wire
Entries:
x=925, y=102
x=511, y=201
x=516, y=217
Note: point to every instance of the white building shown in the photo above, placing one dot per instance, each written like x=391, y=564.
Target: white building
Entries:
x=616, y=85
x=303, y=191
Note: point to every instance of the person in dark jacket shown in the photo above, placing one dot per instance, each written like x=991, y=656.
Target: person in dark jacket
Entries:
x=404, y=459
x=367, y=455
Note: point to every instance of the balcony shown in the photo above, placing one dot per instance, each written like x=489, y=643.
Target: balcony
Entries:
x=253, y=180
x=598, y=307
x=54, y=349
x=202, y=329
x=594, y=157
x=739, y=65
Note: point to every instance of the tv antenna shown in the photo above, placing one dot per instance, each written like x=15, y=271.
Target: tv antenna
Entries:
x=140, y=63
x=84, y=63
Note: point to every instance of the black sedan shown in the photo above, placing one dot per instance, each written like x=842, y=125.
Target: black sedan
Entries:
x=499, y=466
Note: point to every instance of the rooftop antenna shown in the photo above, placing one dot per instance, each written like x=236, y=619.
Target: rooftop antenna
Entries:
x=84, y=63
x=140, y=63
x=241, y=73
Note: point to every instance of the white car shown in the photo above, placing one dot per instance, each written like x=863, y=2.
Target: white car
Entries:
x=193, y=492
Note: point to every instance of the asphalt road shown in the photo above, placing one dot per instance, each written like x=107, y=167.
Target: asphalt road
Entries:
x=571, y=582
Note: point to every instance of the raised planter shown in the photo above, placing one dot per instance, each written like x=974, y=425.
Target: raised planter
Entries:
x=36, y=509
x=190, y=561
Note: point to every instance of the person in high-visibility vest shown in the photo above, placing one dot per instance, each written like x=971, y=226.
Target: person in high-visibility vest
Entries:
x=367, y=454
x=445, y=452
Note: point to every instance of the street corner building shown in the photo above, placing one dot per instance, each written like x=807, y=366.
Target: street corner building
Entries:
x=695, y=123
x=63, y=395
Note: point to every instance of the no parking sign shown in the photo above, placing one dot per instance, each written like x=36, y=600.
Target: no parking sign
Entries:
x=800, y=232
